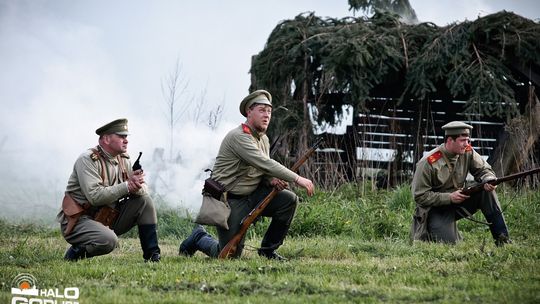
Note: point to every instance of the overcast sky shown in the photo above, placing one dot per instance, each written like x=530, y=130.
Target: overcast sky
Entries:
x=69, y=66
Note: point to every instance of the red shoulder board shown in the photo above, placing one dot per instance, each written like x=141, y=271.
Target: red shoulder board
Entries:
x=468, y=148
x=434, y=157
x=246, y=129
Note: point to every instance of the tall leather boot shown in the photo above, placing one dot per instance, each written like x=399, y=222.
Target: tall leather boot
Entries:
x=498, y=229
x=189, y=246
x=273, y=238
x=208, y=245
x=149, y=243
x=201, y=240
x=491, y=209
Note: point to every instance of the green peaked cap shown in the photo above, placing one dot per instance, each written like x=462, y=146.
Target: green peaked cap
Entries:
x=118, y=127
x=457, y=128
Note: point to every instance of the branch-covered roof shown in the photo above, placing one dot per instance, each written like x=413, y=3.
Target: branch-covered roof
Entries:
x=476, y=61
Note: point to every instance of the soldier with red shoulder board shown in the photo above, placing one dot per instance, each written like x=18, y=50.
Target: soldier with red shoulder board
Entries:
x=437, y=187
x=244, y=162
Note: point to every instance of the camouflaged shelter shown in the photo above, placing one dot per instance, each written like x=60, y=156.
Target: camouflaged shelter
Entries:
x=401, y=83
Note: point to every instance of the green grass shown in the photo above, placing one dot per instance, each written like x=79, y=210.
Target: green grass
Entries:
x=346, y=246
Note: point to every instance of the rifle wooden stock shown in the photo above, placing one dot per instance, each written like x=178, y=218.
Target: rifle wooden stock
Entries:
x=480, y=187
x=230, y=249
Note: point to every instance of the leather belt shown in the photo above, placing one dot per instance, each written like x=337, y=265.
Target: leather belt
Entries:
x=235, y=196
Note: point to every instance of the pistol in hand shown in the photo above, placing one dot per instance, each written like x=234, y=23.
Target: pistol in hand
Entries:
x=137, y=164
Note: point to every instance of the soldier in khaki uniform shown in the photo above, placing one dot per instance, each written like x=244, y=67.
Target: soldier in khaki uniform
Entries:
x=437, y=184
x=103, y=176
x=244, y=152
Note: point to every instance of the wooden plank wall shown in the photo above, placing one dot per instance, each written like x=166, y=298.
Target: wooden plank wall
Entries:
x=387, y=139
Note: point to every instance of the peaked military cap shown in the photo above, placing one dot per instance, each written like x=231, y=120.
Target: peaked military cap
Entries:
x=118, y=127
x=259, y=96
x=457, y=128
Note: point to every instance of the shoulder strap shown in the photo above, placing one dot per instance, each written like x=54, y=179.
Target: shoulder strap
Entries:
x=124, y=175
x=104, y=172
x=434, y=157
x=452, y=169
x=236, y=180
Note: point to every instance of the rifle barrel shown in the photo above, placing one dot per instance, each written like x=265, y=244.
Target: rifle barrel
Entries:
x=479, y=187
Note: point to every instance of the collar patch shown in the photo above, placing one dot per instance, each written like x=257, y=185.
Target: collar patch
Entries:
x=246, y=129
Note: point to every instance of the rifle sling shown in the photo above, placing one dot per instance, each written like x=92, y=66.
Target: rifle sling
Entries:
x=469, y=217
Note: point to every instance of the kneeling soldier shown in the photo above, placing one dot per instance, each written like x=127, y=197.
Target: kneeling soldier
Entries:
x=244, y=161
x=437, y=184
x=105, y=198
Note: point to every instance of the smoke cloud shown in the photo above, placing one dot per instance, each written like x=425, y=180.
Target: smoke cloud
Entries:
x=68, y=67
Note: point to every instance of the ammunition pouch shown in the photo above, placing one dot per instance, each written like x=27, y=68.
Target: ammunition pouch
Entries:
x=213, y=188
x=106, y=215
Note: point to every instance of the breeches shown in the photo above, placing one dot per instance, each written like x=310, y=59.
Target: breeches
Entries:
x=442, y=220
x=99, y=239
x=281, y=209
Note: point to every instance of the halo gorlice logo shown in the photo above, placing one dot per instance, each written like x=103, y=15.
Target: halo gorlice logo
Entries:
x=24, y=291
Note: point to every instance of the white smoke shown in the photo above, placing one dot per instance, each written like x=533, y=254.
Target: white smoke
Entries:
x=179, y=182
x=57, y=85
x=67, y=67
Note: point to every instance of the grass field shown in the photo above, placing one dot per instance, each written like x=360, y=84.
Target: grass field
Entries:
x=346, y=246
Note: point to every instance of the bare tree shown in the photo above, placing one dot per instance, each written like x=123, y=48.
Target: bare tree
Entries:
x=200, y=106
x=214, y=117
x=173, y=88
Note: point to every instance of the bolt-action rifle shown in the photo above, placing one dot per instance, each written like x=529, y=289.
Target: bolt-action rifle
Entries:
x=480, y=187
x=230, y=249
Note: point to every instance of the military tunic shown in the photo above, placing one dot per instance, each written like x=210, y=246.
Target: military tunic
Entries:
x=86, y=184
x=437, y=175
x=101, y=180
x=244, y=150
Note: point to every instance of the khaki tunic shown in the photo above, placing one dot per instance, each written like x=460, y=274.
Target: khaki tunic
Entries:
x=87, y=185
x=243, y=149
x=438, y=174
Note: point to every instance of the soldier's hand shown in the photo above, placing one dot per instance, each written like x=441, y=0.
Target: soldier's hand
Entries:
x=135, y=181
x=457, y=197
x=139, y=174
x=489, y=187
x=133, y=187
x=306, y=184
x=279, y=184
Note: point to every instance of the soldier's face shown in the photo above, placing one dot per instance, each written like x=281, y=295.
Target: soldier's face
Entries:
x=259, y=117
x=459, y=145
x=115, y=144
